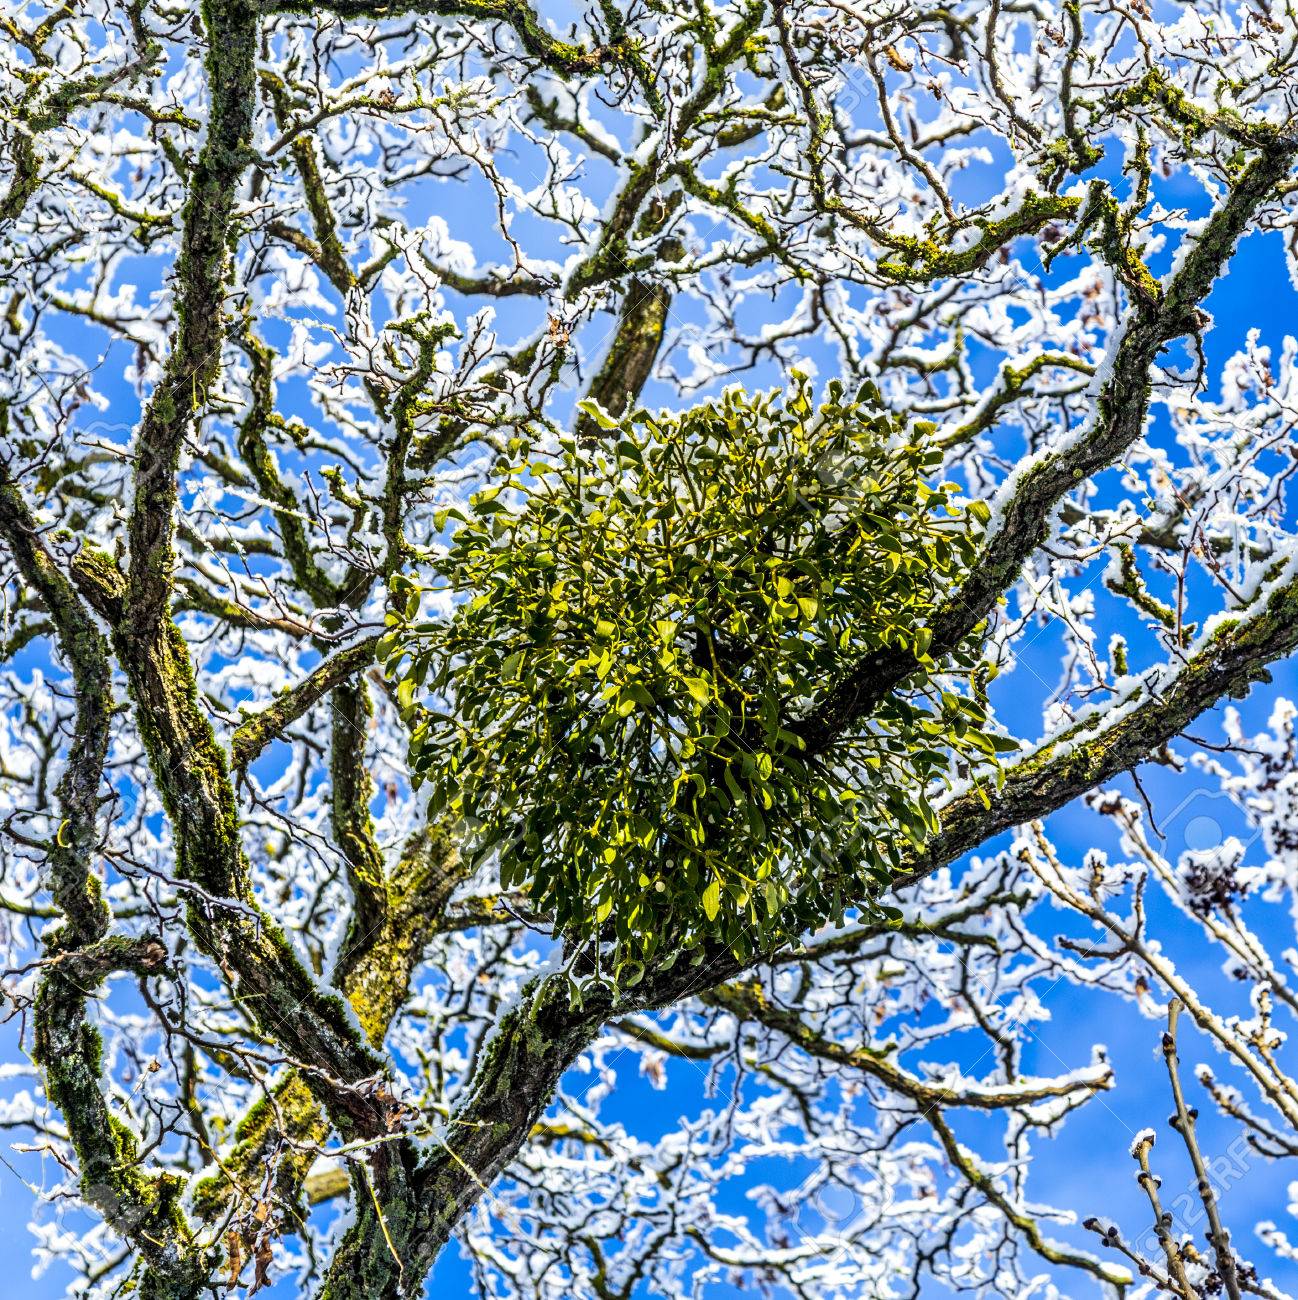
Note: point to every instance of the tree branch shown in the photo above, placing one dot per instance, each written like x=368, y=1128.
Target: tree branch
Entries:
x=1031, y=496
x=258, y=731
x=1108, y=741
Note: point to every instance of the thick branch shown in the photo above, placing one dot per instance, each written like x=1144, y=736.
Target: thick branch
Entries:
x=195, y=357
x=143, y=1208
x=1032, y=495
x=188, y=764
x=629, y=360
x=1109, y=741
x=76, y=890
x=563, y=57
x=546, y=1032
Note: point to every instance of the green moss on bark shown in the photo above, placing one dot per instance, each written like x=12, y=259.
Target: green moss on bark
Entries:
x=918, y=260
x=415, y=894
x=273, y=1146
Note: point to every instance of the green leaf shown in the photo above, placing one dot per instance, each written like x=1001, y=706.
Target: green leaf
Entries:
x=602, y=418
x=711, y=900
x=406, y=694
x=699, y=689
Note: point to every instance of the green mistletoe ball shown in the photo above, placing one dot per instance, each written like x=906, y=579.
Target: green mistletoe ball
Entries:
x=644, y=619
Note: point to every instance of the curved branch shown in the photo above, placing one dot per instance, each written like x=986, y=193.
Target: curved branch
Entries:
x=1032, y=495
x=1226, y=662
x=258, y=731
